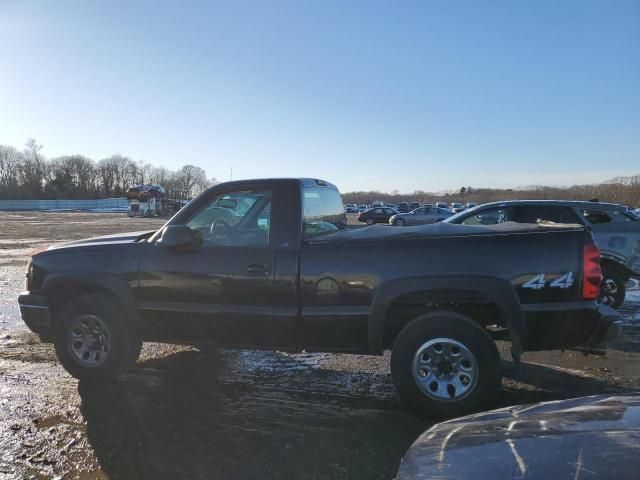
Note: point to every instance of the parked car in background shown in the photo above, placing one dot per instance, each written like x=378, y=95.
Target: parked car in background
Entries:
x=616, y=231
x=471, y=204
x=362, y=208
x=414, y=205
x=377, y=215
x=441, y=204
x=456, y=207
x=351, y=208
x=588, y=437
x=420, y=216
x=403, y=207
x=427, y=205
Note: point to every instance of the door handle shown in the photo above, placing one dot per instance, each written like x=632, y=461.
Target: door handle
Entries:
x=257, y=269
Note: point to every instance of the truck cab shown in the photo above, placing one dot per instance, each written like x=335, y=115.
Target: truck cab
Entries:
x=239, y=285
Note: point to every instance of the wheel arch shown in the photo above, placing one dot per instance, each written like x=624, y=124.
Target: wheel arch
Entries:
x=449, y=289
x=62, y=287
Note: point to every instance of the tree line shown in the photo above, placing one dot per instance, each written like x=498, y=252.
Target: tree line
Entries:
x=625, y=191
x=28, y=174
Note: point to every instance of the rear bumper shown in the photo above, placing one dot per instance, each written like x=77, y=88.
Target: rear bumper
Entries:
x=35, y=312
x=585, y=325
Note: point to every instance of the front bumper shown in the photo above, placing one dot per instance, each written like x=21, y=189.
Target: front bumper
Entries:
x=584, y=326
x=35, y=312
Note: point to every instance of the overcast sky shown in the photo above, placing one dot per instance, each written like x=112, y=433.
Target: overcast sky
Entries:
x=370, y=95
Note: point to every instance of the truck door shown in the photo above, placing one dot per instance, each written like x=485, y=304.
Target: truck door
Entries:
x=222, y=292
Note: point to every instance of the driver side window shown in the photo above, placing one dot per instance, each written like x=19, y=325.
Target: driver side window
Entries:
x=241, y=218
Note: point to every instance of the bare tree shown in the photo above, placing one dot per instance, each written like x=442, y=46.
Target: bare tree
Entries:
x=32, y=169
x=192, y=179
x=106, y=171
x=10, y=160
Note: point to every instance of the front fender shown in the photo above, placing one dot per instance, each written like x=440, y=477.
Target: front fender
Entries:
x=91, y=281
x=499, y=291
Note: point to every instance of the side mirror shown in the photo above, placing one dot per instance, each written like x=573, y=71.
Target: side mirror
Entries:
x=179, y=237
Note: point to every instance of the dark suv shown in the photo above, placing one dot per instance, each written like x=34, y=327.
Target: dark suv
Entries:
x=616, y=230
x=403, y=207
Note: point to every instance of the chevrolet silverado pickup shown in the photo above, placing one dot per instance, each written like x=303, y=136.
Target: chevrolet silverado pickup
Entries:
x=270, y=264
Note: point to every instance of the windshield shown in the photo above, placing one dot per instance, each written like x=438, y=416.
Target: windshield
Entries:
x=455, y=218
x=633, y=214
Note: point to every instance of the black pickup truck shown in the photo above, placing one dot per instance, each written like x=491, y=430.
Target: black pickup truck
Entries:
x=270, y=264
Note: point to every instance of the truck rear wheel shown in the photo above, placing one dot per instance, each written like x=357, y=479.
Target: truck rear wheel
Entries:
x=444, y=364
x=93, y=340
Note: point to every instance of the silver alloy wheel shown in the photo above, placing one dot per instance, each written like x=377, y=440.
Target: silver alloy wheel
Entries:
x=369, y=221
x=89, y=340
x=608, y=291
x=445, y=370
x=400, y=222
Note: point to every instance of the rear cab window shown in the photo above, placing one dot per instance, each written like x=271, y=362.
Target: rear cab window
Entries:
x=323, y=212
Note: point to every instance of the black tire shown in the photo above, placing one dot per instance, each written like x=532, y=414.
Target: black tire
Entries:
x=399, y=222
x=124, y=345
x=462, y=329
x=370, y=221
x=612, y=289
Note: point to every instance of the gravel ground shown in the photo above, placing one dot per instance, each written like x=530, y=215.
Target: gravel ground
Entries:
x=228, y=414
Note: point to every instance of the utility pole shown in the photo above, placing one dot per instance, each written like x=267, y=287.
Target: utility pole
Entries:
x=231, y=174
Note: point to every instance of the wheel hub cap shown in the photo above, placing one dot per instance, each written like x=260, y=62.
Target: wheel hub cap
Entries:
x=445, y=370
x=89, y=340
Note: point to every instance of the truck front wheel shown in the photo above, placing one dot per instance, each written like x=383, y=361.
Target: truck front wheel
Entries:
x=444, y=364
x=93, y=340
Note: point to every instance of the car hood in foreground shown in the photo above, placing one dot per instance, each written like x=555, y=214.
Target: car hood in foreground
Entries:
x=588, y=437
x=115, y=239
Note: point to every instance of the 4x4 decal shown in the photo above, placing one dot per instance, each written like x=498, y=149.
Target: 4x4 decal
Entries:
x=538, y=282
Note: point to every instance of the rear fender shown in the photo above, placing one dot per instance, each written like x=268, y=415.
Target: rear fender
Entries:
x=500, y=292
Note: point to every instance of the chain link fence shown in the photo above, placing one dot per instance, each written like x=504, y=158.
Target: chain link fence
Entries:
x=91, y=205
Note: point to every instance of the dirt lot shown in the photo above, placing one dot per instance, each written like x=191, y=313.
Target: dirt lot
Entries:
x=227, y=414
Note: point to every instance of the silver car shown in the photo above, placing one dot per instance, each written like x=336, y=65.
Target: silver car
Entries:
x=420, y=216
